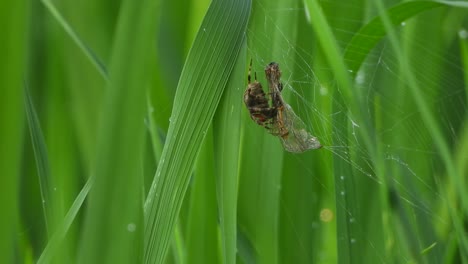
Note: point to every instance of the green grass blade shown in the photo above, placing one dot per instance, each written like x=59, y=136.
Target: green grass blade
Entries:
x=432, y=125
x=462, y=159
x=306, y=184
x=97, y=63
x=329, y=45
x=202, y=217
x=358, y=49
x=383, y=86
x=345, y=103
x=205, y=74
x=261, y=158
x=57, y=238
x=13, y=23
x=46, y=182
x=227, y=143
x=369, y=35
x=157, y=146
x=114, y=224
x=343, y=170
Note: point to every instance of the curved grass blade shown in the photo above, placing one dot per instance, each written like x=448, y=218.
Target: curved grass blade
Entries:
x=345, y=103
x=205, y=74
x=56, y=239
x=227, y=142
x=261, y=158
x=113, y=226
x=440, y=143
x=356, y=52
x=42, y=162
x=93, y=58
x=201, y=231
x=369, y=35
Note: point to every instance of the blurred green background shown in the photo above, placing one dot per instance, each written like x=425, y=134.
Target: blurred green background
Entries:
x=124, y=137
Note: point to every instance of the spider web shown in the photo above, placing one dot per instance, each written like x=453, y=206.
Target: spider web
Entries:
x=309, y=88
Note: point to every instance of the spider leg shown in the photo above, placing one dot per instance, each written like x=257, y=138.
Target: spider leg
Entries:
x=250, y=72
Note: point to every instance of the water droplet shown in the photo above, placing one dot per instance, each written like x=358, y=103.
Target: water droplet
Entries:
x=323, y=90
x=326, y=215
x=131, y=227
x=360, y=77
x=462, y=33
x=342, y=177
x=342, y=192
x=315, y=225
x=403, y=23
x=353, y=240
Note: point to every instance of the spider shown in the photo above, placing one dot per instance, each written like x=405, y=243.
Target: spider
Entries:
x=279, y=118
x=258, y=104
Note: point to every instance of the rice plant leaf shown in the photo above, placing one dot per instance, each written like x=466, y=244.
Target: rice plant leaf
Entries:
x=246, y=250
x=227, y=143
x=370, y=34
x=114, y=221
x=93, y=58
x=344, y=97
x=356, y=52
x=202, y=216
x=12, y=49
x=261, y=159
x=46, y=182
x=204, y=76
x=57, y=238
x=433, y=127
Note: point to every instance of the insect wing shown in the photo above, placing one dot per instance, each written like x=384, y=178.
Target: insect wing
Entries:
x=298, y=139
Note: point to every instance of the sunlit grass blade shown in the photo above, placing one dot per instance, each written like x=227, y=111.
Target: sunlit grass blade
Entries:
x=114, y=225
x=205, y=74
